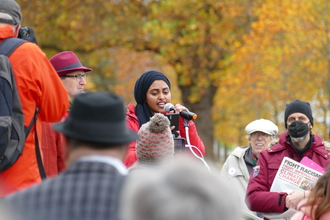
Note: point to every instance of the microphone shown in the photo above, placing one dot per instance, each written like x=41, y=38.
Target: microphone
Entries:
x=169, y=107
x=185, y=114
x=188, y=115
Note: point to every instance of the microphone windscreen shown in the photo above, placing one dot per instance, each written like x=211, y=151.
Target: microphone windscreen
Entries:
x=169, y=107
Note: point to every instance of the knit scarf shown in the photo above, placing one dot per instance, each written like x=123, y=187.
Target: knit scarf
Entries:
x=254, y=159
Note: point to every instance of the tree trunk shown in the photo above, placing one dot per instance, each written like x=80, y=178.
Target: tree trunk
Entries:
x=204, y=121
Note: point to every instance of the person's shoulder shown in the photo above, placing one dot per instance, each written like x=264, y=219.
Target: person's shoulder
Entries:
x=320, y=143
x=326, y=145
x=29, y=52
x=35, y=197
x=131, y=117
x=30, y=48
x=239, y=151
x=234, y=157
x=130, y=109
x=278, y=147
x=25, y=195
x=321, y=146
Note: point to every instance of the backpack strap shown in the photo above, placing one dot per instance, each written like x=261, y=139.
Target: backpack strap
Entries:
x=34, y=119
x=39, y=160
x=7, y=47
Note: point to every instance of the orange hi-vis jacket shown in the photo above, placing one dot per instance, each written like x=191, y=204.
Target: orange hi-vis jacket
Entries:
x=38, y=86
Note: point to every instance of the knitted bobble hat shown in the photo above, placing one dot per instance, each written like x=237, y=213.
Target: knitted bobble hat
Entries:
x=155, y=141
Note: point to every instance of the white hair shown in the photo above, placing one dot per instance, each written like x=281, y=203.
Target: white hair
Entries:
x=6, y=16
x=183, y=190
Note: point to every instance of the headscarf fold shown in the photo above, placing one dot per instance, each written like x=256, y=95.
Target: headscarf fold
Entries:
x=141, y=87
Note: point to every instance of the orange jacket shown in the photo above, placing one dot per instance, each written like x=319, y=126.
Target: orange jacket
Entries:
x=38, y=85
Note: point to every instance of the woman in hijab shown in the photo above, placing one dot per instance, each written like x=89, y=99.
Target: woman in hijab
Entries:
x=151, y=92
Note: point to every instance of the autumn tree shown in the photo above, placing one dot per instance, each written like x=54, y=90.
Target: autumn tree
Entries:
x=277, y=62
x=193, y=36
x=233, y=61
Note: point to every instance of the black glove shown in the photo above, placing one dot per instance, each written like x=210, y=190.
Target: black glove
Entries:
x=27, y=33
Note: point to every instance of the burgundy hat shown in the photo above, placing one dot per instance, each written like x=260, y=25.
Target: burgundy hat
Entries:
x=67, y=62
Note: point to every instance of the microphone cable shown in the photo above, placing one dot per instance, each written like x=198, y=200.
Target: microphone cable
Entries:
x=191, y=149
x=188, y=116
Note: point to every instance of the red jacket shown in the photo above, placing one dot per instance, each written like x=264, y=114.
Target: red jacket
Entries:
x=53, y=150
x=133, y=123
x=38, y=85
x=258, y=197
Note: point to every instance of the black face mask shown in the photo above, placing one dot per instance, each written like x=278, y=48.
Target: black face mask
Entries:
x=298, y=129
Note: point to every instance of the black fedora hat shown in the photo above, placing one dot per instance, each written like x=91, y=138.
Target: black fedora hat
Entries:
x=97, y=117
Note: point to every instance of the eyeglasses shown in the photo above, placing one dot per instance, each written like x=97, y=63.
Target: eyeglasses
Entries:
x=77, y=77
x=259, y=134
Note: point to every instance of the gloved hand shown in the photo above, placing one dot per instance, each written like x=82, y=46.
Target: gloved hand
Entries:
x=27, y=33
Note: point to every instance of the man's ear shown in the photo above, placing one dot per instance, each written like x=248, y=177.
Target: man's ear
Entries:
x=16, y=31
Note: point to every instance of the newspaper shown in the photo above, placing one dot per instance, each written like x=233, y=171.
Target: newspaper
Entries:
x=290, y=176
x=249, y=216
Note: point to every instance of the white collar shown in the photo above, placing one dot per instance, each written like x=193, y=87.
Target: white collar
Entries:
x=118, y=164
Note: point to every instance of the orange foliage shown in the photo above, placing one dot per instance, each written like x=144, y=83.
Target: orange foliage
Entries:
x=257, y=55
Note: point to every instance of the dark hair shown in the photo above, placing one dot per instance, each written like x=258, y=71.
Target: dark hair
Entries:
x=319, y=199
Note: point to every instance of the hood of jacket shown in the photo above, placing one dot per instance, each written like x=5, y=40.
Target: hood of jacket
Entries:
x=6, y=31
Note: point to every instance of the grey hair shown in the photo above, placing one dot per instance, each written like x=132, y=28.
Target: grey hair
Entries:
x=182, y=190
x=6, y=16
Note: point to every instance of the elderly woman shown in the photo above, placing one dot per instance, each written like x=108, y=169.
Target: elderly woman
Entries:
x=261, y=134
x=151, y=92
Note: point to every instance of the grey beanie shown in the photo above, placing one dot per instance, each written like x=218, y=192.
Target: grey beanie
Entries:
x=11, y=8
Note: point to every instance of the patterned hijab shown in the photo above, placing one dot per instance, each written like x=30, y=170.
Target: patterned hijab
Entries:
x=142, y=85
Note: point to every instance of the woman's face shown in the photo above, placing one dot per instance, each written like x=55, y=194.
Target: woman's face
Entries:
x=157, y=96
